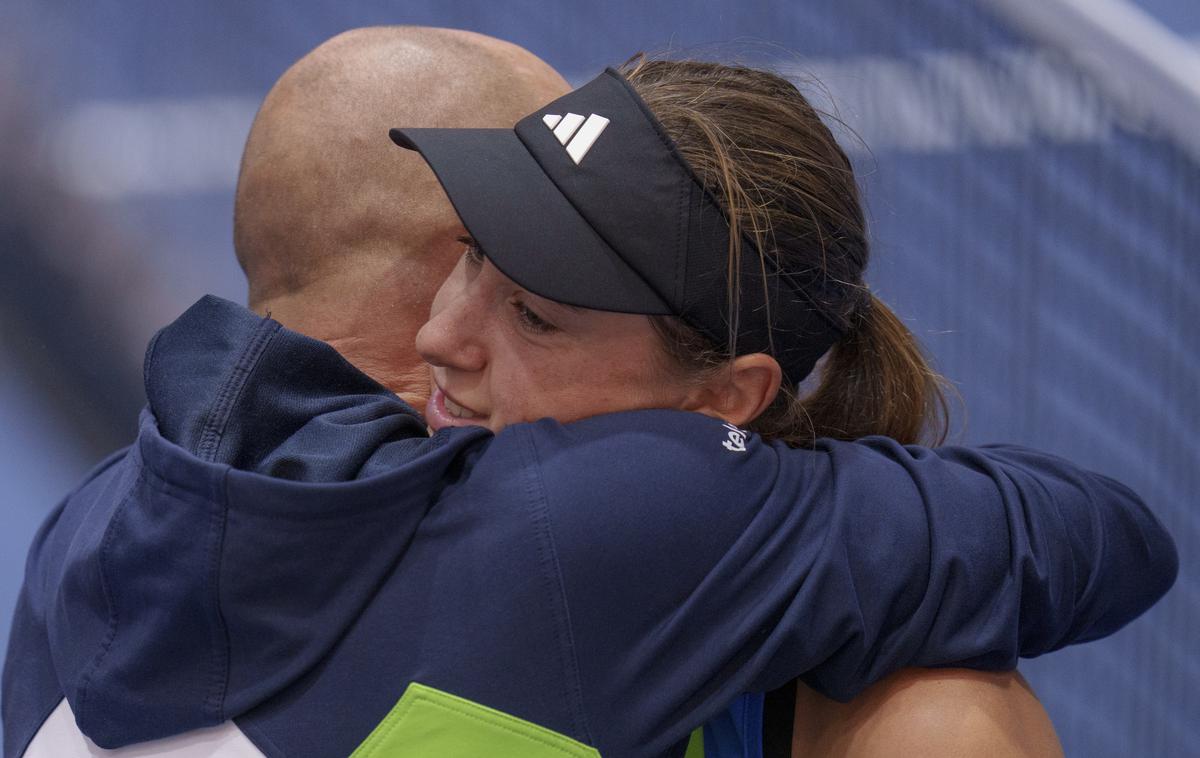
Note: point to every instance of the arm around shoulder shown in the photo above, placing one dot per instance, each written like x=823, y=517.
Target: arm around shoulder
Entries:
x=842, y=563
x=1025, y=553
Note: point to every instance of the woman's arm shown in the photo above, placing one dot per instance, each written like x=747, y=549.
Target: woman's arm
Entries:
x=934, y=713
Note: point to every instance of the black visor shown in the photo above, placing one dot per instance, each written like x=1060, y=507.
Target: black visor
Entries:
x=588, y=202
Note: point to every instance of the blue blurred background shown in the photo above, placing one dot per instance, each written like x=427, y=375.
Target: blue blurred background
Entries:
x=1031, y=167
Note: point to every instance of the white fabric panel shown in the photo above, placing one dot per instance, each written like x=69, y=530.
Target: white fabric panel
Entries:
x=59, y=737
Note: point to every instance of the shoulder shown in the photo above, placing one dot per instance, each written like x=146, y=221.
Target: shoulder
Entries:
x=625, y=490
x=662, y=456
x=930, y=712
x=679, y=472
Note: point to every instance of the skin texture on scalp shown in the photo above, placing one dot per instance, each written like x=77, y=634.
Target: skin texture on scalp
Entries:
x=342, y=235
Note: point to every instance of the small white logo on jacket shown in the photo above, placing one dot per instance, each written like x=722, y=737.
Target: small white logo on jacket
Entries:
x=575, y=133
x=737, y=439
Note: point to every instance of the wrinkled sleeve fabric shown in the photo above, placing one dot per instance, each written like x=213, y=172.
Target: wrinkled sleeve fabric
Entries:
x=736, y=571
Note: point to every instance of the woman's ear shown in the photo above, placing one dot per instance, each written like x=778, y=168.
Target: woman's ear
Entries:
x=742, y=393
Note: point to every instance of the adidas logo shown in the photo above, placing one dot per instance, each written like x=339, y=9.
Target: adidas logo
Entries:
x=576, y=133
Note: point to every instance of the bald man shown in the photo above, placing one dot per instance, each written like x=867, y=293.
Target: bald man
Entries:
x=344, y=238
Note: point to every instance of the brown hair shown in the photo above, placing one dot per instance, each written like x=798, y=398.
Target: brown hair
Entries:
x=785, y=184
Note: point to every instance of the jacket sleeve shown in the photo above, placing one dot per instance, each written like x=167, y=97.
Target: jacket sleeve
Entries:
x=702, y=568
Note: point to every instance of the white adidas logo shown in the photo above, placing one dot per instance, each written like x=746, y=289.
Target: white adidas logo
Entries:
x=583, y=136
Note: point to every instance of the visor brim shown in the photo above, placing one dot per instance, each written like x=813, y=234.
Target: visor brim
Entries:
x=524, y=224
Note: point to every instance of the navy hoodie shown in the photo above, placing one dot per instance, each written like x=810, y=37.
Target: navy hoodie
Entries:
x=283, y=545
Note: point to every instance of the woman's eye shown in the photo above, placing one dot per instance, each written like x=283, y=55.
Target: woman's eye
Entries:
x=473, y=253
x=531, y=321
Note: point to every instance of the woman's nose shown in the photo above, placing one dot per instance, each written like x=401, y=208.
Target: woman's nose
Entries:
x=454, y=336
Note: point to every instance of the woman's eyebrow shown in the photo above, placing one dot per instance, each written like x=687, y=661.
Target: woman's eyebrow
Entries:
x=468, y=239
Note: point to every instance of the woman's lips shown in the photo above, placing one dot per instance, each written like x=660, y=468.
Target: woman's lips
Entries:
x=442, y=411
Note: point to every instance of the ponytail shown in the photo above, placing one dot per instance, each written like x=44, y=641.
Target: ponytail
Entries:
x=784, y=182
x=876, y=380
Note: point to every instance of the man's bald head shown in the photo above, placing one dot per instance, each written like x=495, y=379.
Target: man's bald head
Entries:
x=343, y=235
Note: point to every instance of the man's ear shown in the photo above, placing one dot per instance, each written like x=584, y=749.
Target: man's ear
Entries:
x=740, y=394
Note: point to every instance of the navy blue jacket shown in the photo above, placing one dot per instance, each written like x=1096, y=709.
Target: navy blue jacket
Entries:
x=284, y=545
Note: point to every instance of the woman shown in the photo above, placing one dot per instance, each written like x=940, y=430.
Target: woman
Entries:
x=616, y=304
